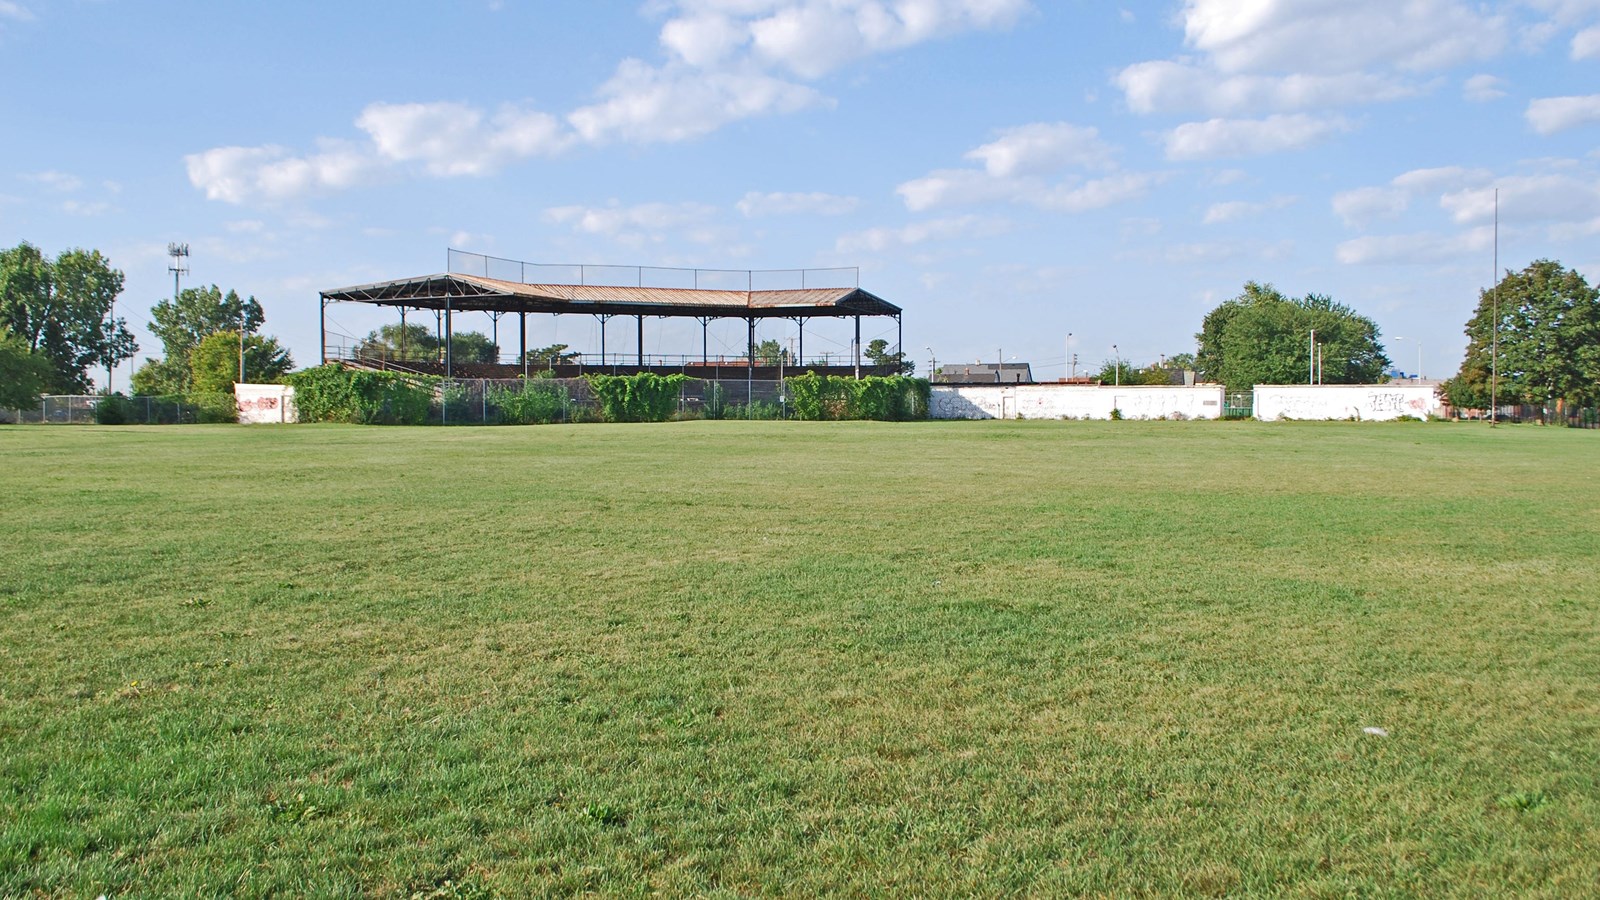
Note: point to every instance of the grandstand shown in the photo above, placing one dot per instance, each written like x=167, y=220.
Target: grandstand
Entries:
x=477, y=283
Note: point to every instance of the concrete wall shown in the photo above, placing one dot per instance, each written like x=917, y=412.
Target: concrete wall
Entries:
x=1366, y=402
x=1055, y=401
x=263, y=404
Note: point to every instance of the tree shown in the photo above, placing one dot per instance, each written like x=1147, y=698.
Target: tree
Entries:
x=878, y=354
x=555, y=353
x=1263, y=337
x=214, y=362
x=1549, y=336
x=24, y=374
x=395, y=341
x=61, y=310
x=182, y=324
x=1122, y=372
x=473, y=347
x=770, y=353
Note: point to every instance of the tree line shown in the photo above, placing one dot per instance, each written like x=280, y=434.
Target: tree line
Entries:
x=58, y=327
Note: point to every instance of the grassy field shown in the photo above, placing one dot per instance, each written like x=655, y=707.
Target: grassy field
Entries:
x=935, y=659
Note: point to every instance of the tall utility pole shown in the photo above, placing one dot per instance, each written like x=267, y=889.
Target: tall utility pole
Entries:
x=1311, y=365
x=1116, y=363
x=179, y=266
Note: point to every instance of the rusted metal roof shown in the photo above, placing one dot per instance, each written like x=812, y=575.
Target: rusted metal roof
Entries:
x=472, y=292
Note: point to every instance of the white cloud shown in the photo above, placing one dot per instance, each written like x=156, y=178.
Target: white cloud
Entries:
x=720, y=57
x=457, y=139
x=1359, y=207
x=645, y=104
x=271, y=174
x=86, y=208
x=1341, y=35
x=60, y=181
x=1260, y=56
x=877, y=240
x=1414, y=249
x=1234, y=210
x=1013, y=164
x=1528, y=198
x=1552, y=114
x=814, y=37
x=1206, y=252
x=756, y=204
x=616, y=219
x=1098, y=193
x=961, y=187
x=1042, y=148
x=1483, y=88
x=1586, y=43
x=1164, y=86
x=1227, y=138
x=15, y=11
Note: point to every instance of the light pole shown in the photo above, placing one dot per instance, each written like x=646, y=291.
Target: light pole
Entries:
x=1116, y=367
x=1417, y=379
x=1068, y=350
x=1311, y=366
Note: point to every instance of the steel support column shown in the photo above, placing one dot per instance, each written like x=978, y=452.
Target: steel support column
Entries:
x=856, y=348
x=900, y=342
x=641, y=341
x=322, y=328
x=750, y=359
x=800, y=356
x=524, y=344
x=449, y=331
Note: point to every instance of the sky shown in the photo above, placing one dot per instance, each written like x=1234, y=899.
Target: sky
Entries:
x=1027, y=180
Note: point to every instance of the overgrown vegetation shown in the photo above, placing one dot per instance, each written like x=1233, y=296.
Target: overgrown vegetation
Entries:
x=645, y=397
x=894, y=398
x=332, y=393
x=535, y=402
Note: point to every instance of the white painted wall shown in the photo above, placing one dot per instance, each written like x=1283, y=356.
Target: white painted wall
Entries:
x=264, y=404
x=1367, y=402
x=1078, y=401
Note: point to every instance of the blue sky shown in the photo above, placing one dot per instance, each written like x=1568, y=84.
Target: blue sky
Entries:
x=1007, y=171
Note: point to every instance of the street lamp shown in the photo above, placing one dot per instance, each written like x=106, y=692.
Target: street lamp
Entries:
x=1116, y=365
x=1418, y=379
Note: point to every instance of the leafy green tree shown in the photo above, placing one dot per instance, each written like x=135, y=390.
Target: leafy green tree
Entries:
x=182, y=324
x=1549, y=339
x=23, y=373
x=878, y=354
x=771, y=353
x=1263, y=337
x=416, y=342
x=1115, y=372
x=473, y=347
x=556, y=353
x=61, y=309
x=214, y=362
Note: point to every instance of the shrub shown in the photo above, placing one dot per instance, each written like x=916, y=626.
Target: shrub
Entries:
x=114, y=409
x=645, y=397
x=213, y=408
x=535, y=402
x=895, y=398
x=332, y=393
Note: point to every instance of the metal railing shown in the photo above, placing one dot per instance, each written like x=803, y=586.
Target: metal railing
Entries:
x=462, y=262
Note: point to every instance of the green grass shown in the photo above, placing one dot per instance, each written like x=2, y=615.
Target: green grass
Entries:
x=935, y=659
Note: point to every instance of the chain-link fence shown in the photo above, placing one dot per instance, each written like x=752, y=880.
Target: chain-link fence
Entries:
x=488, y=401
x=116, y=409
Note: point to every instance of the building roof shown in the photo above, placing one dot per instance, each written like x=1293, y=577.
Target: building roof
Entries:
x=472, y=292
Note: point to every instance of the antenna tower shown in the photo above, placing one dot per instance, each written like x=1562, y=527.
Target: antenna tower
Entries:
x=179, y=266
